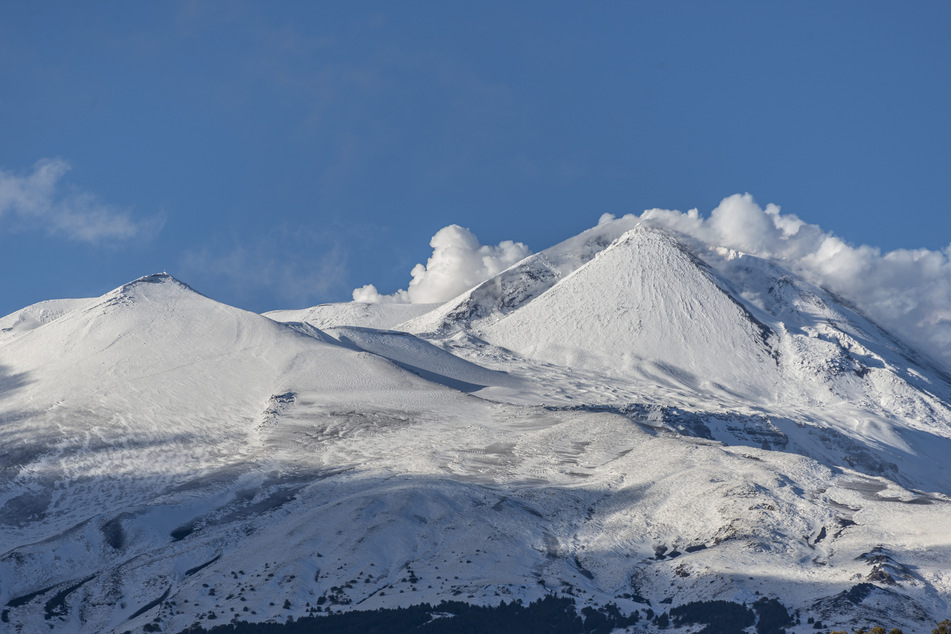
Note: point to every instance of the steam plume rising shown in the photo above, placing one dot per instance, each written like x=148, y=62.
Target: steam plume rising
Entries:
x=457, y=264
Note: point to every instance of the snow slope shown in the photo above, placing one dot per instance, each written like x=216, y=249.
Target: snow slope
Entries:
x=423, y=358
x=127, y=385
x=646, y=309
x=363, y=314
x=626, y=418
x=25, y=320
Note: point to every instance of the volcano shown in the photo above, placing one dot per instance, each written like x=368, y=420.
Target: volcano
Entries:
x=644, y=431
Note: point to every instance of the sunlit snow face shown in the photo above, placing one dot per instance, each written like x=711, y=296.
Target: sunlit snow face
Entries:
x=908, y=291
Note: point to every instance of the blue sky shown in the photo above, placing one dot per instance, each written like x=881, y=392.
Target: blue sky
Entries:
x=278, y=155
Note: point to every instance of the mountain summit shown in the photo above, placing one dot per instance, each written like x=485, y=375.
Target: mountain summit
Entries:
x=645, y=308
x=645, y=431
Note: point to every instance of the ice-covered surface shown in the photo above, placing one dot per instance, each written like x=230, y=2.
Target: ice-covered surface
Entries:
x=620, y=419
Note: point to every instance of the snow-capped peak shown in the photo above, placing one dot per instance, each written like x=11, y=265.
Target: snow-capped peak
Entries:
x=632, y=421
x=646, y=307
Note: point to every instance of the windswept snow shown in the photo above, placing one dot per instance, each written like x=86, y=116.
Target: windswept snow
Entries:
x=362, y=314
x=26, y=319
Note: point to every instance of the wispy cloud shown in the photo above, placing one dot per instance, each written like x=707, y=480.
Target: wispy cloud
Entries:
x=357, y=103
x=39, y=200
x=285, y=266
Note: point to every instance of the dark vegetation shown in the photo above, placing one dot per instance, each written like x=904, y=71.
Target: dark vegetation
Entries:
x=725, y=617
x=551, y=614
x=548, y=615
x=719, y=617
x=774, y=618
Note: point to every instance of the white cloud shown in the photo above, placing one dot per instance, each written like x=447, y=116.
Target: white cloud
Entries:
x=369, y=294
x=906, y=291
x=457, y=264
x=35, y=201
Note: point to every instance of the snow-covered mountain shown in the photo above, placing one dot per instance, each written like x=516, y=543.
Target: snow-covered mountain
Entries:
x=631, y=420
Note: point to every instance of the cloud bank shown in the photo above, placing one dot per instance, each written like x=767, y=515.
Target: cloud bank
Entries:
x=35, y=201
x=458, y=263
x=907, y=291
